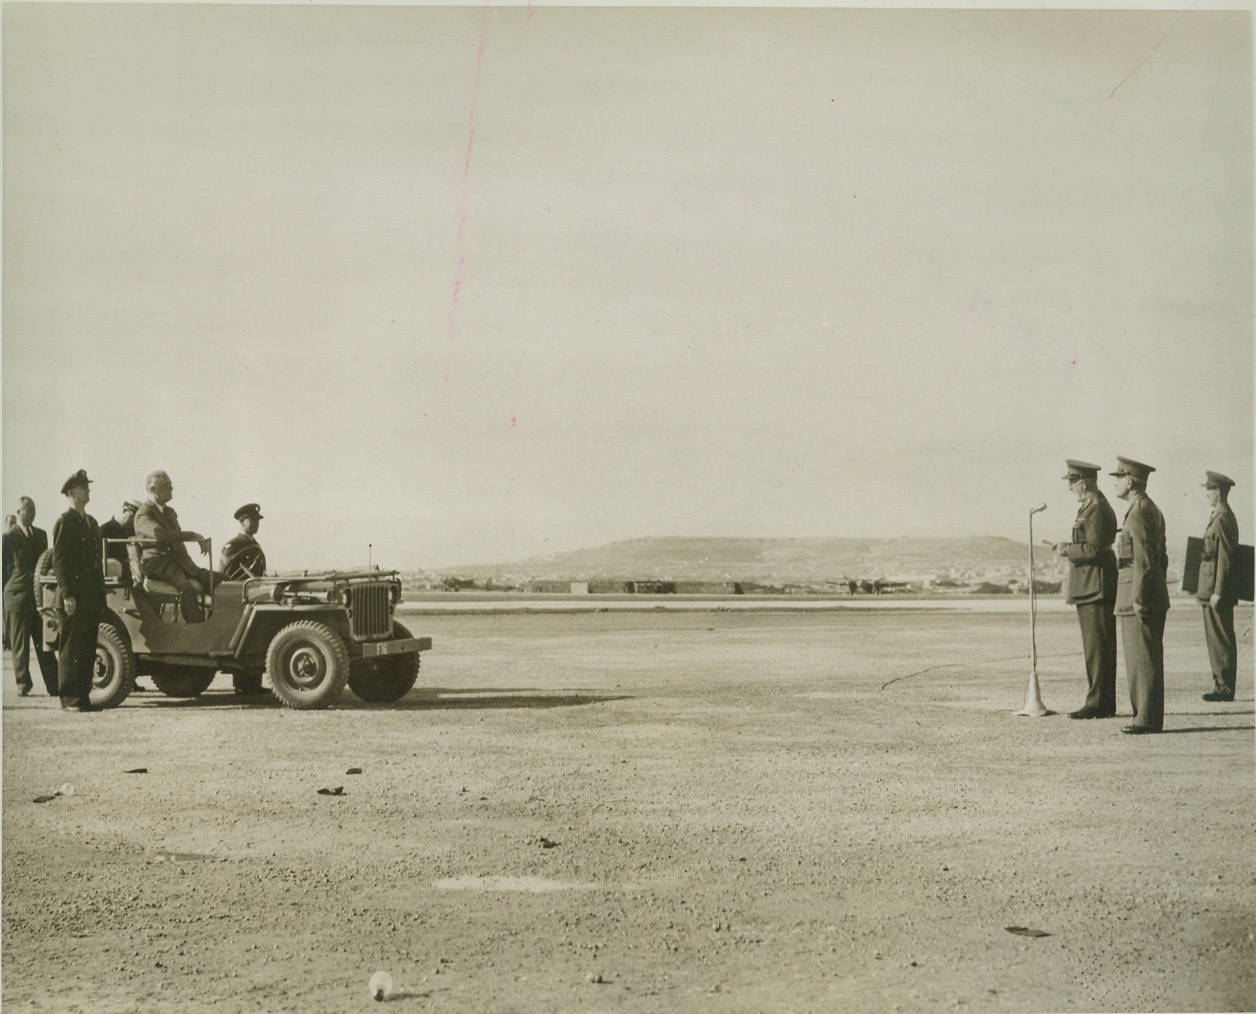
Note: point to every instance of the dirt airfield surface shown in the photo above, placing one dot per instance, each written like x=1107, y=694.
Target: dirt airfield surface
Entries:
x=662, y=811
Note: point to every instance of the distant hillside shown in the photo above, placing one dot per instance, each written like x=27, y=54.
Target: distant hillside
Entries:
x=680, y=558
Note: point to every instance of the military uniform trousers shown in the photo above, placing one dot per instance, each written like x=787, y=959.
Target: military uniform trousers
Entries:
x=1142, y=639
x=76, y=660
x=1099, y=646
x=1222, y=647
x=24, y=625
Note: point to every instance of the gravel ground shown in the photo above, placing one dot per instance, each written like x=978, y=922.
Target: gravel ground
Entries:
x=664, y=811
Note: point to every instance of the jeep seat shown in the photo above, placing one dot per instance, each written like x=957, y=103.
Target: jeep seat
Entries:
x=148, y=584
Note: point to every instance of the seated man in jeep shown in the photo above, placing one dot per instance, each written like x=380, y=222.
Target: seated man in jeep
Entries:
x=166, y=558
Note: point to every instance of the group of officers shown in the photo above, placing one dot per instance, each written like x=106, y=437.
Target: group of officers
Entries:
x=1122, y=573
x=1109, y=577
x=77, y=563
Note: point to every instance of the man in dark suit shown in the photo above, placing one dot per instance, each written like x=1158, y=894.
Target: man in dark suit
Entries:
x=166, y=558
x=1142, y=595
x=1219, y=587
x=1091, y=587
x=80, y=592
x=23, y=545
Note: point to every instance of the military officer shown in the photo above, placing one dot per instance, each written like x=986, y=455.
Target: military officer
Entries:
x=80, y=592
x=1091, y=586
x=242, y=557
x=1142, y=595
x=1218, y=586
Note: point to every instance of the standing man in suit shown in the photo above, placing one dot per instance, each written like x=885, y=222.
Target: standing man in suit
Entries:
x=1092, y=587
x=23, y=545
x=1142, y=596
x=80, y=592
x=1219, y=586
x=167, y=559
x=242, y=556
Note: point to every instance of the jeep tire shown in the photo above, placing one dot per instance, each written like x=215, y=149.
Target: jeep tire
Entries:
x=307, y=664
x=385, y=679
x=113, y=676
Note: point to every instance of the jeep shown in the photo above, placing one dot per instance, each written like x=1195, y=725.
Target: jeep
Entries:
x=309, y=633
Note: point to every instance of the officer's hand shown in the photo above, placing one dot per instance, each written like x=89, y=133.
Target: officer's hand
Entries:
x=1215, y=601
x=204, y=544
x=69, y=605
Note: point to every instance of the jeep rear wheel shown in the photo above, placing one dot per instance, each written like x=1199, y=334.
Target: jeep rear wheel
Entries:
x=307, y=664
x=385, y=679
x=113, y=675
x=182, y=681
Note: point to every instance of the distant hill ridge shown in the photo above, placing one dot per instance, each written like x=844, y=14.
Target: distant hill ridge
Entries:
x=682, y=558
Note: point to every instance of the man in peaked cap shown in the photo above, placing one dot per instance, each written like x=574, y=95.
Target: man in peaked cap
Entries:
x=1091, y=586
x=120, y=526
x=242, y=557
x=80, y=599
x=1219, y=586
x=1142, y=595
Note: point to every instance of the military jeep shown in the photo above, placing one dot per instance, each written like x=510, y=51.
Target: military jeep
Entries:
x=307, y=633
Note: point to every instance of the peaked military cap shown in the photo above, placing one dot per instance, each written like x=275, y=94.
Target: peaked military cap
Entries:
x=1218, y=481
x=1128, y=466
x=1080, y=470
x=79, y=478
x=131, y=505
x=249, y=510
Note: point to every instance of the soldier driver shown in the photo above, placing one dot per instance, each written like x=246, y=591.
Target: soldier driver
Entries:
x=242, y=557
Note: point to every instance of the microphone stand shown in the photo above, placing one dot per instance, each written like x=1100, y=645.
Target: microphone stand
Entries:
x=1034, y=708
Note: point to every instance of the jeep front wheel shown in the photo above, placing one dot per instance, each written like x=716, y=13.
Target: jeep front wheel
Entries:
x=308, y=665
x=113, y=675
x=386, y=678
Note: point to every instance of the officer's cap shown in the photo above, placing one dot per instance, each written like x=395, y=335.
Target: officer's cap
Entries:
x=131, y=505
x=1080, y=470
x=249, y=510
x=1128, y=466
x=79, y=478
x=1218, y=481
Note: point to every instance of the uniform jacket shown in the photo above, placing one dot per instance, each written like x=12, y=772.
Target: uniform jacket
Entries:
x=1217, y=571
x=76, y=561
x=1142, y=560
x=1092, y=564
x=241, y=552
x=161, y=525
x=21, y=554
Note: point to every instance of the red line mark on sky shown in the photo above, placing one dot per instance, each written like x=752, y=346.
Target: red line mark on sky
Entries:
x=461, y=270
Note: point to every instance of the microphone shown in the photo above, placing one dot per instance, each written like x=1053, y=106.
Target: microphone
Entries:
x=1039, y=509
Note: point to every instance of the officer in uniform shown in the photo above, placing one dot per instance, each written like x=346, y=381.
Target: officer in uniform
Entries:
x=1219, y=587
x=120, y=526
x=1142, y=595
x=1091, y=587
x=242, y=557
x=80, y=593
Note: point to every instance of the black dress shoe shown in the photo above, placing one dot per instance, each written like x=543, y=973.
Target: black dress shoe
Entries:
x=1138, y=730
x=1213, y=695
x=1084, y=713
x=23, y=691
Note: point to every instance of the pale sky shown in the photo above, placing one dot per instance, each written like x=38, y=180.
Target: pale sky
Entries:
x=472, y=284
